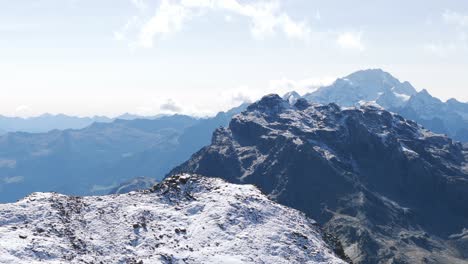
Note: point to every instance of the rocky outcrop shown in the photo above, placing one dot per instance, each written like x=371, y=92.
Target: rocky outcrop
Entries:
x=390, y=190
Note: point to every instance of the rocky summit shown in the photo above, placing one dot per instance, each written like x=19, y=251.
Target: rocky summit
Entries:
x=184, y=219
x=390, y=190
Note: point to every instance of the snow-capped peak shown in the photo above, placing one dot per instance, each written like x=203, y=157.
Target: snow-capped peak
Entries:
x=365, y=85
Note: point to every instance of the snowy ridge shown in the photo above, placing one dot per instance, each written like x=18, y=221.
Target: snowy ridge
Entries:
x=307, y=122
x=185, y=219
x=319, y=125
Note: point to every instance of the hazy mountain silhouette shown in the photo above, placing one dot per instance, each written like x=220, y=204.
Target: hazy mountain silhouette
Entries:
x=376, y=86
x=96, y=159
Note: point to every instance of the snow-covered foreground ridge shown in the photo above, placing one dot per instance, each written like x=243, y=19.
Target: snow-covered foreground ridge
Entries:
x=185, y=219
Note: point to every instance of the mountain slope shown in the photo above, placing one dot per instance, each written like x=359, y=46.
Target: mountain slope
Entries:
x=96, y=159
x=379, y=87
x=449, y=117
x=389, y=189
x=185, y=219
x=364, y=86
x=47, y=122
x=78, y=161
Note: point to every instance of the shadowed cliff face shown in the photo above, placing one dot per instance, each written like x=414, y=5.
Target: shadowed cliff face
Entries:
x=389, y=189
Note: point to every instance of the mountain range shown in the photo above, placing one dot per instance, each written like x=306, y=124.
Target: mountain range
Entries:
x=185, y=219
x=48, y=122
x=369, y=157
x=389, y=189
x=96, y=159
x=376, y=86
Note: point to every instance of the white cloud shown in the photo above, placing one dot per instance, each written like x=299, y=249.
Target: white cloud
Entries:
x=451, y=17
x=7, y=163
x=170, y=107
x=266, y=19
x=23, y=110
x=241, y=94
x=293, y=29
x=461, y=23
x=318, y=16
x=351, y=40
x=459, y=42
x=140, y=4
x=300, y=86
x=169, y=18
x=13, y=179
x=440, y=49
x=228, y=18
x=246, y=94
x=132, y=23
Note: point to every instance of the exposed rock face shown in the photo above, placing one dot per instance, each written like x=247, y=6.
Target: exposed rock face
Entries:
x=185, y=219
x=391, y=191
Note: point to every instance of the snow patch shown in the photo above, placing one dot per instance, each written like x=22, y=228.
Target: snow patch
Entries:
x=185, y=219
x=403, y=97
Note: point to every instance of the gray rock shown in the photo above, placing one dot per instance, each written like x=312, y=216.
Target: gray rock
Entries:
x=390, y=190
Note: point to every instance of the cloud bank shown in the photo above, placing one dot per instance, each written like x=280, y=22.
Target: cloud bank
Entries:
x=265, y=19
x=351, y=40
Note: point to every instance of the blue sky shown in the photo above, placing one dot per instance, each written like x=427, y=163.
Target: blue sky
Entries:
x=106, y=57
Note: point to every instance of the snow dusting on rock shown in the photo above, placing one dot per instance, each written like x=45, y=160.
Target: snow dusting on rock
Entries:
x=185, y=219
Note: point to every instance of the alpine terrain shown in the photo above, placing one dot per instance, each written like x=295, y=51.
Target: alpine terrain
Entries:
x=378, y=87
x=185, y=219
x=390, y=190
x=101, y=157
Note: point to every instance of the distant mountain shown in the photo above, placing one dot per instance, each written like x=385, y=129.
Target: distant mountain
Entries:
x=135, y=184
x=47, y=122
x=128, y=116
x=378, y=87
x=390, y=190
x=373, y=85
x=98, y=158
x=449, y=117
x=185, y=219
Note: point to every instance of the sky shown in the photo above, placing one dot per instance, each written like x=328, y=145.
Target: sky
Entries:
x=108, y=57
